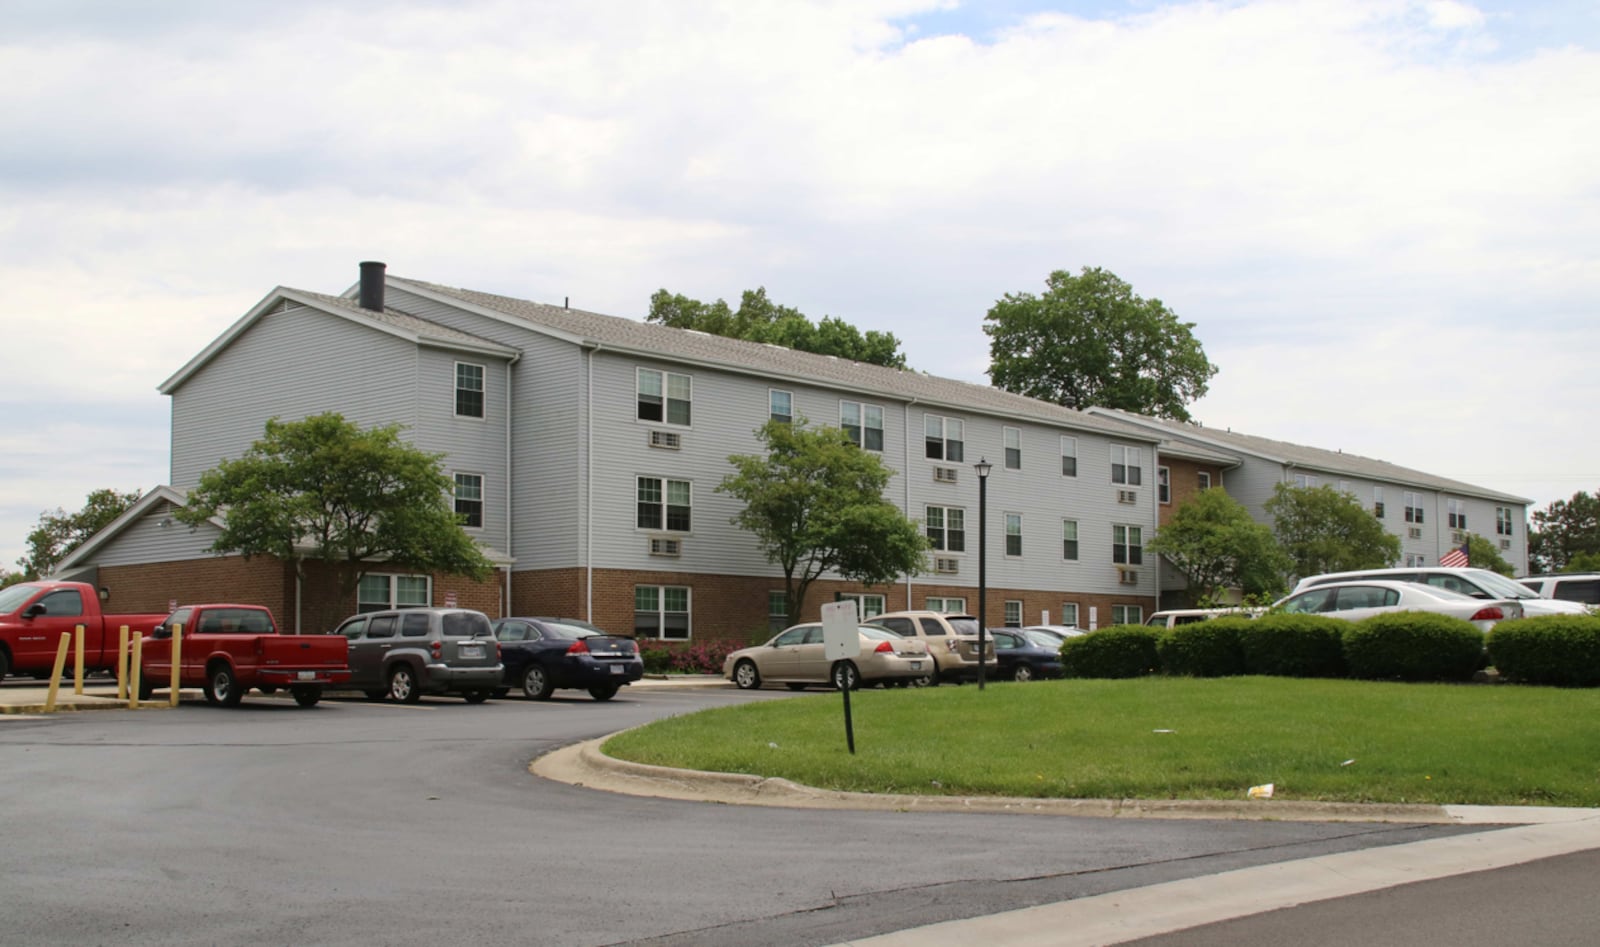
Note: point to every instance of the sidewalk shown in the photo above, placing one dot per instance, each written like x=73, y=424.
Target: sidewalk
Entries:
x=98, y=695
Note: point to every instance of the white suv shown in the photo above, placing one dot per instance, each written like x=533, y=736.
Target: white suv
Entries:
x=1478, y=583
x=1570, y=586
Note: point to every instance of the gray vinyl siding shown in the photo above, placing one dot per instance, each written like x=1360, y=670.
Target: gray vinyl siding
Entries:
x=289, y=365
x=470, y=445
x=148, y=540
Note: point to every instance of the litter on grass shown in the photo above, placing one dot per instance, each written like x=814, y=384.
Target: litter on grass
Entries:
x=1163, y=731
x=1347, y=762
x=1264, y=791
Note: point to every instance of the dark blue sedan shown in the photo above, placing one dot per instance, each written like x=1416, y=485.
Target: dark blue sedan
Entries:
x=1024, y=655
x=542, y=654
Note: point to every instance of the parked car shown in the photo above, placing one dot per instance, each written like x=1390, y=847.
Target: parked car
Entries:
x=952, y=640
x=1479, y=583
x=1024, y=655
x=1060, y=632
x=1582, y=587
x=1354, y=601
x=227, y=649
x=795, y=657
x=542, y=654
x=1173, y=617
x=409, y=652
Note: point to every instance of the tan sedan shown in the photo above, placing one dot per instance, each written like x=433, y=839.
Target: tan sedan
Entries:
x=795, y=657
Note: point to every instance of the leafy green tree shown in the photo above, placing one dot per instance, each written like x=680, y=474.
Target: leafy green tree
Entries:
x=759, y=319
x=323, y=489
x=60, y=532
x=814, y=501
x=1325, y=530
x=1213, y=540
x=1089, y=340
x=1483, y=554
x=1563, y=531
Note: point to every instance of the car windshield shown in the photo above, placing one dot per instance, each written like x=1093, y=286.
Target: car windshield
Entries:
x=1043, y=639
x=966, y=625
x=878, y=634
x=12, y=598
x=1501, y=586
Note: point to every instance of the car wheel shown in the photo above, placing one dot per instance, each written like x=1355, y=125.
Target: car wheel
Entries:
x=536, y=682
x=1023, y=673
x=221, y=688
x=306, y=696
x=603, y=691
x=795, y=686
x=375, y=694
x=476, y=697
x=403, y=684
x=845, y=676
x=146, y=688
x=746, y=676
x=5, y=664
x=930, y=679
x=500, y=692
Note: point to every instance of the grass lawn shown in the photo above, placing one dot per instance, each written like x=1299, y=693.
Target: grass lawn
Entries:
x=1162, y=738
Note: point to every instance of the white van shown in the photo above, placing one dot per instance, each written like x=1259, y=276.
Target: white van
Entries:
x=1172, y=617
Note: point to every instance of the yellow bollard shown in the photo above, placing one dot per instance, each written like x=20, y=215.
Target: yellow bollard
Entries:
x=177, y=661
x=77, y=663
x=122, y=664
x=55, y=675
x=133, y=672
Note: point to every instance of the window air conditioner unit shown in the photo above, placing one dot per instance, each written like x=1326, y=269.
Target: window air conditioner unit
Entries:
x=1127, y=496
x=668, y=440
x=947, y=566
x=1127, y=577
x=944, y=475
x=666, y=547
x=1458, y=537
x=1414, y=532
x=1505, y=544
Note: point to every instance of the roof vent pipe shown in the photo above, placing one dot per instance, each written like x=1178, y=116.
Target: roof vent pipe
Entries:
x=372, y=286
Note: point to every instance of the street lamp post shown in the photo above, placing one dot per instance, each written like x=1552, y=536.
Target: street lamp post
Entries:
x=983, y=467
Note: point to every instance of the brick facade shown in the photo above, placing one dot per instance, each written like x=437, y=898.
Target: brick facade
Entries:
x=1184, y=480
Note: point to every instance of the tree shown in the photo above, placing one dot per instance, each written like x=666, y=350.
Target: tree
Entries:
x=815, y=503
x=1214, y=541
x=1090, y=341
x=759, y=319
x=1483, y=554
x=1324, y=530
x=1563, y=531
x=323, y=489
x=60, y=532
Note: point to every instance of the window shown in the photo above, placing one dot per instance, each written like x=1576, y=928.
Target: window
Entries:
x=664, y=396
x=943, y=436
x=469, y=499
x=1305, y=481
x=1163, y=485
x=1456, y=513
x=863, y=422
x=661, y=611
x=1125, y=465
x=1127, y=545
x=1344, y=487
x=1069, y=613
x=469, y=390
x=1502, y=521
x=1013, y=613
x=671, y=515
x=64, y=603
x=377, y=592
x=947, y=606
x=777, y=610
x=780, y=405
x=1377, y=502
x=1414, y=559
x=867, y=606
x=1069, y=457
x=1413, y=502
x=947, y=528
x=1204, y=479
x=1069, y=539
x=1127, y=615
x=1013, y=534
x=1013, y=445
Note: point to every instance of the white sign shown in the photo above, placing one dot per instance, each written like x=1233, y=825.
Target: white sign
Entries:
x=449, y=600
x=1094, y=618
x=841, y=636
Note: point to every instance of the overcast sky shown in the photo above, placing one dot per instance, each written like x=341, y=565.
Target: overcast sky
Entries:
x=1382, y=217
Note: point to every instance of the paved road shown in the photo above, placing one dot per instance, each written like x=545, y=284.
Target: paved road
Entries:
x=360, y=823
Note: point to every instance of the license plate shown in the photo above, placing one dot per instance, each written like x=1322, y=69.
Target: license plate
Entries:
x=617, y=669
x=307, y=675
x=916, y=665
x=470, y=651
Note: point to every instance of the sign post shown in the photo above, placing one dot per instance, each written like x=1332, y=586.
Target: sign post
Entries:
x=841, y=643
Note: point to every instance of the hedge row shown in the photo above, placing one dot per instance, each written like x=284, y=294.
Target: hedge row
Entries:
x=1406, y=646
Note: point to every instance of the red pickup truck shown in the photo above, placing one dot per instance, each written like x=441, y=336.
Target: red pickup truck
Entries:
x=33, y=616
x=228, y=649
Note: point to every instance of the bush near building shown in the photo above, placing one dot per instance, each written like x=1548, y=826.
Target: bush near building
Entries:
x=1116, y=651
x=1285, y=645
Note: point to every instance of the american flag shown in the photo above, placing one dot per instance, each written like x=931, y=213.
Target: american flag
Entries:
x=1456, y=558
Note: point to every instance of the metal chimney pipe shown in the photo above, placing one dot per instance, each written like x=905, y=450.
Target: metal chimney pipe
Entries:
x=372, y=285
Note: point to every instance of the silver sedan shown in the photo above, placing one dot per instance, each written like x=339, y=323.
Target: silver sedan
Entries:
x=1354, y=601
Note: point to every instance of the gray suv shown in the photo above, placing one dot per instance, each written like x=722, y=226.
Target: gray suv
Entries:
x=406, y=653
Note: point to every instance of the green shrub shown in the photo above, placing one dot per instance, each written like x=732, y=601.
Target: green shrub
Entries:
x=1203, y=648
x=1547, y=649
x=1413, y=646
x=1285, y=645
x=1117, y=651
x=682, y=657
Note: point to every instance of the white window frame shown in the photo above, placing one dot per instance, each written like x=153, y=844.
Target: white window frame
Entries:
x=1070, y=608
x=1069, y=526
x=865, y=414
x=1164, y=486
x=777, y=610
x=945, y=605
x=1305, y=481
x=774, y=395
x=481, y=390
x=1455, y=513
x=1069, y=451
x=1010, y=520
x=1011, y=448
x=1203, y=478
x=1012, y=613
x=663, y=500
x=1502, y=521
x=1377, y=502
x=941, y=543
x=661, y=612
x=1127, y=614
x=1125, y=467
x=664, y=384
x=947, y=426
x=393, y=597
x=457, y=499
x=869, y=605
x=1413, y=505
x=1129, y=547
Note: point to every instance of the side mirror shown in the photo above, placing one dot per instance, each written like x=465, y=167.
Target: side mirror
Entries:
x=35, y=610
x=161, y=631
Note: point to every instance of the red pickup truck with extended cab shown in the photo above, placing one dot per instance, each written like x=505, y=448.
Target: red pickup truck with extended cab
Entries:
x=228, y=649
x=33, y=616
